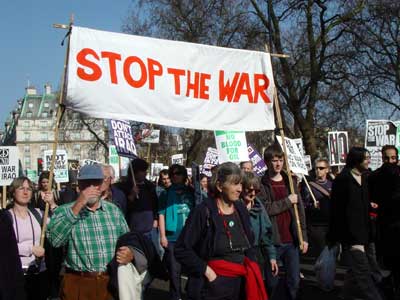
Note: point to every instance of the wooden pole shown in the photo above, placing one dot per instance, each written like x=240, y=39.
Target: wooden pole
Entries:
x=149, y=146
x=133, y=177
x=311, y=193
x=282, y=133
x=56, y=130
x=4, y=202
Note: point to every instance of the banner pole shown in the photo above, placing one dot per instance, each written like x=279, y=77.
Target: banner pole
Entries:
x=149, y=145
x=60, y=112
x=282, y=133
x=311, y=193
x=291, y=186
x=4, y=202
x=133, y=177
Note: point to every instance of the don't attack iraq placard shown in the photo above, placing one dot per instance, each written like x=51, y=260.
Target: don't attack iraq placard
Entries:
x=121, y=136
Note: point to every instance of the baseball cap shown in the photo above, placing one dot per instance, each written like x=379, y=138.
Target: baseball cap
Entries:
x=91, y=172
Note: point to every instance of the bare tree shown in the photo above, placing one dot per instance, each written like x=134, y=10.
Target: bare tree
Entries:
x=322, y=84
x=376, y=36
x=313, y=79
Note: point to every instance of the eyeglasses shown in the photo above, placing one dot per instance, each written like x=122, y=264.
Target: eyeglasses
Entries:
x=321, y=168
x=24, y=189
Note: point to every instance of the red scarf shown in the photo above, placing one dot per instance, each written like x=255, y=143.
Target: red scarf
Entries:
x=255, y=289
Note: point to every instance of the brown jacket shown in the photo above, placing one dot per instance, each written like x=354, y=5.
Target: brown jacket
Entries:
x=275, y=208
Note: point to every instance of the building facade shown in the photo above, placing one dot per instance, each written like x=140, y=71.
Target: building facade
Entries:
x=32, y=125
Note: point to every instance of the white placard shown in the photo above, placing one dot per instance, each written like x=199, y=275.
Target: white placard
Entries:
x=338, y=146
x=177, y=159
x=231, y=146
x=60, y=165
x=378, y=134
x=9, y=166
x=151, y=136
x=295, y=159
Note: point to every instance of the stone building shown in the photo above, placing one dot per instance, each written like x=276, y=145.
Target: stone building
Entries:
x=31, y=129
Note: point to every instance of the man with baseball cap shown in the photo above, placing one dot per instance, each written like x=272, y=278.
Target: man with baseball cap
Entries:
x=89, y=227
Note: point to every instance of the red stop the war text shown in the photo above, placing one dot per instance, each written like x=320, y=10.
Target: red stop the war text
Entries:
x=186, y=82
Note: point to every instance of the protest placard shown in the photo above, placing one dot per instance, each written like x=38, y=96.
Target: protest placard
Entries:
x=259, y=166
x=121, y=136
x=295, y=159
x=338, y=146
x=84, y=162
x=300, y=146
x=125, y=161
x=151, y=136
x=177, y=159
x=307, y=161
x=9, y=166
x=231, y=146
x=113, y=160
x=210, y=160
x=60, y=165
x=156, y=168
x=378, y=134
x=32, y=175
x=128, y=77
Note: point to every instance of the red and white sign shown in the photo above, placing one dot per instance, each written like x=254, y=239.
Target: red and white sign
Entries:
x=127, y=77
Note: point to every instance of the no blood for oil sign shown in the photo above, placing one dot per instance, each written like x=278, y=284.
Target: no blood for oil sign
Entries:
x=231, y=146
x=8, y=165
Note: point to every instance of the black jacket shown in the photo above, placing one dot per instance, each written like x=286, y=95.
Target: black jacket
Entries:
x=11, y=276
x=196, y=244
x=197, y=241
x=384, y=187
x=349, y=216
x=139, y=242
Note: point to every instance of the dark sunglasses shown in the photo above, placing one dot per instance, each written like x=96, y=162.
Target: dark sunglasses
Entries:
x=321, y=168
x=252, y=190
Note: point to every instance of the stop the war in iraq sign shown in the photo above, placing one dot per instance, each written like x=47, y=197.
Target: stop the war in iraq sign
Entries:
x=378, y=134
x=121, y=136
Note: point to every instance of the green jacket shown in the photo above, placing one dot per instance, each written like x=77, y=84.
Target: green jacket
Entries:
x=262, y=229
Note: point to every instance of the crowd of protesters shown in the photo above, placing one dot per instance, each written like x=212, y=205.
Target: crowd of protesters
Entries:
x=109, y=240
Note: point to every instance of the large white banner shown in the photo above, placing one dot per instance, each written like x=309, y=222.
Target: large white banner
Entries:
x=127, y=77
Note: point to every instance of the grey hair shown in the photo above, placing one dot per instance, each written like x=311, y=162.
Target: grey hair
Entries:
x=227, y=172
